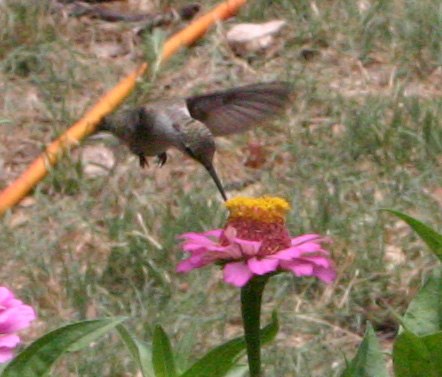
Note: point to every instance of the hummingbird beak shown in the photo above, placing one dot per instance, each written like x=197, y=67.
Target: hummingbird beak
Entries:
x=214, y=176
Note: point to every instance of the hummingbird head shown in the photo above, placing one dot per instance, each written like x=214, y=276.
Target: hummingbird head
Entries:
x=202, y=149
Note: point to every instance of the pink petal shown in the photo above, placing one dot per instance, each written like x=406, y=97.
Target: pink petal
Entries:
x=7, y=299
x=237, y=273
x=15, y=319
x=216, y=233
x=196, y=238
x=185, y=266
x=318, y=261
x=202, y=257
x=248, y=247
x=234, y=251
x=230, y=233
x=190, y=246
x=287, y=254
x=309, y=238
x=187, y=235
x=322, y=251
x=304, y=238
x=190, y=264
x=5, y=355
x=5, y=295
x=198, y=255
x=227, y=254
x=9, y=341
x=299, y=269
x=312, y=248
x=309, y=247
x=327, y=275
x=262, y=266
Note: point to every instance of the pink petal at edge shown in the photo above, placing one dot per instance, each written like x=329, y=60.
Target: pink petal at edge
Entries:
x=299, y=269
x=214, y=233
x=5, y=295
x=318, y=261
x=188, y=265
x=9, y=341
x=16, y=319
x=287, y=254
x=304, y=238
x=192, y=247
x=5, y=354
x=327, y=275
x=196, y=238
x=237, y=273
x=185, y=266
x=309, y=247
x=316, y=238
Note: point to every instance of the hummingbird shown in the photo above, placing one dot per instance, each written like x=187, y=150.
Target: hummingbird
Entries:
x=191, y=124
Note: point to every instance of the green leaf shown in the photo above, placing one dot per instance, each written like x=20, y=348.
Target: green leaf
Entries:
x=220, y=360
x=424, y=314
x=140, y=352
x=433, y=343
x=269, y=332
x=184, y=348
x=162, y=355
x=432, y=238
x=238, y=371
x=369, y=360
x=38, y=358
x=415, y=356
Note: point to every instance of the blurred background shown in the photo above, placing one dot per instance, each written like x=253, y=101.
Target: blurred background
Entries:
x=97, y=237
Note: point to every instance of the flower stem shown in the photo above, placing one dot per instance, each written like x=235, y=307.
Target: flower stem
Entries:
x=251, y=295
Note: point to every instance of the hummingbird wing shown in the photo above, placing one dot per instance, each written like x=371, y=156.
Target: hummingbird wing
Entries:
x=238, y=109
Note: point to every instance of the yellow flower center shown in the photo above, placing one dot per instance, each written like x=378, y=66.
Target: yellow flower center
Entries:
x=260, y=219
x=266, y=209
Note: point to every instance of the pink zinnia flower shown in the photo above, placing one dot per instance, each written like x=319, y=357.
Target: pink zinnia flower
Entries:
x=14, y=316
x=255, y=241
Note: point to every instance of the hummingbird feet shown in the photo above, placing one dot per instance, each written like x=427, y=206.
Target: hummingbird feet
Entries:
x=162, y=158
x=143, y=160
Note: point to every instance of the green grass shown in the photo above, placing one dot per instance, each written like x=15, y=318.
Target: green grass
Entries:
x=364, y=133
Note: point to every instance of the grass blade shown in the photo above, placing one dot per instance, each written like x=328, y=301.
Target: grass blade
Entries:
x=140, y=352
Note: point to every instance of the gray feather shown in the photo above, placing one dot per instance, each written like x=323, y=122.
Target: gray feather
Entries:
x=239, y=109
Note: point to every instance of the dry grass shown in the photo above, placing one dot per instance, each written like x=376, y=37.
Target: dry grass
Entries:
x=364, y=133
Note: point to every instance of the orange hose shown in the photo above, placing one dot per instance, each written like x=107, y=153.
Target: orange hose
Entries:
x=87, y=125
x=84, y=127
x=198, y=28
